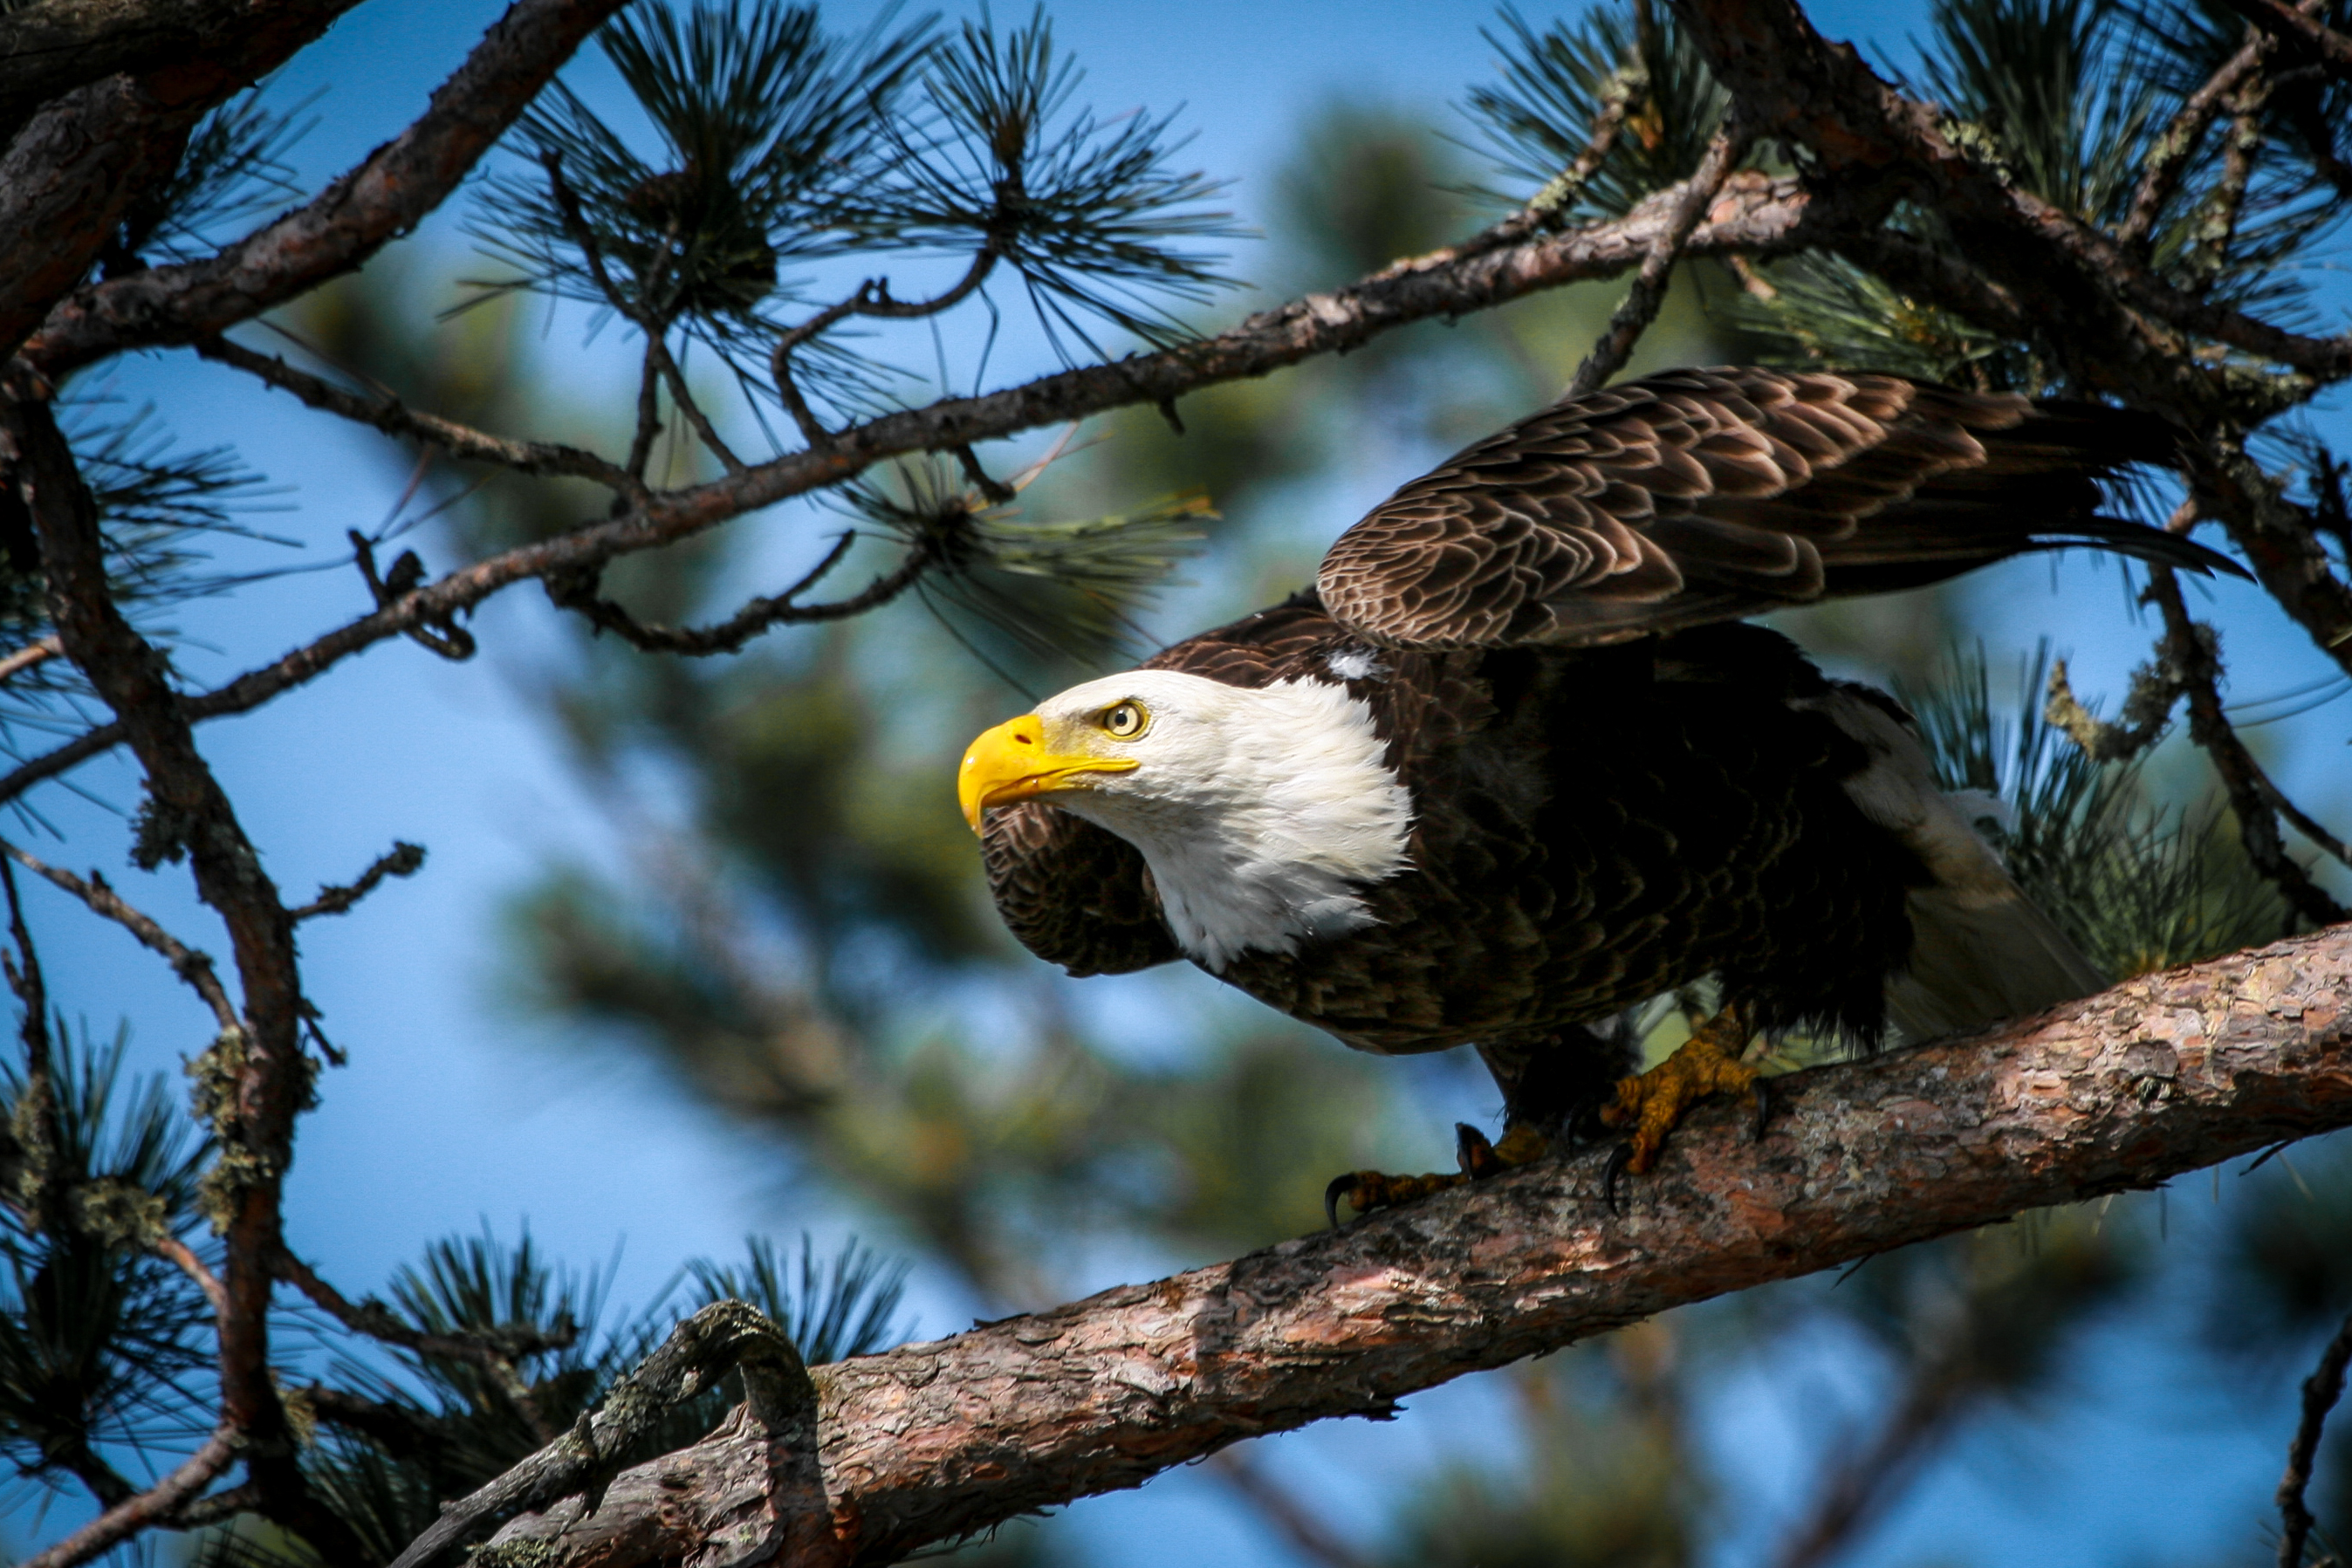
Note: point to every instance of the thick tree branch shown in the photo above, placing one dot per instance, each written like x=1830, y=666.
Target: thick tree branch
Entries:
x=67, y=177
x=722, y=1337
x=2160, y=1075
x=49, y=49
x=384, y=197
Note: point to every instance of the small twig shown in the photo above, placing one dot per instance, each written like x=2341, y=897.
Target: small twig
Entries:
x=32, y=654
x=2320, y=1392
x=996, y=490
x=2217, y=222
x=2258, y=803
x=1640, y=306
x=156, y=1505
x=1549, y=207
x=654, y=329
x=193, y=966
x=388, y=414
x=872, y=298
x=723, y=1337
x=2160, y=173
x=404, y=860
x=495, y=1351
x=439, y=634
x=173, y=1251
x=2156, y=688
x=731, y=634
x=217, y=1509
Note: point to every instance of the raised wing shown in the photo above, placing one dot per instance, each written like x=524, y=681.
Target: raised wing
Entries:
x=1703, y=495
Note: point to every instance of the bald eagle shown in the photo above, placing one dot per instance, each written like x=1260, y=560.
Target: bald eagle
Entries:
x=1514, y=764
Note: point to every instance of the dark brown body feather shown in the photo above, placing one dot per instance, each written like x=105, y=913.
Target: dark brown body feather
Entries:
x=1612, y=796
x=1592, y=828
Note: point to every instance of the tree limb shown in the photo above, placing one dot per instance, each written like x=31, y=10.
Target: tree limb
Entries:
x=49, y=49
x=384, y=197
x=193, y=966
x=152, y=1507
x=2160, y=1075
x=2307, y=33
x=2320, y=1392
x=1754, y=214
x=1640, y=306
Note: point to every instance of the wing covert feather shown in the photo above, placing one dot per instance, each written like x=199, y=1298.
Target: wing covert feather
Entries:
x=1702, y=495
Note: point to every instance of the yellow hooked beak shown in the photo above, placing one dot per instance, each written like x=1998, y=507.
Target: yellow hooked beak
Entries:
x=1010, y=763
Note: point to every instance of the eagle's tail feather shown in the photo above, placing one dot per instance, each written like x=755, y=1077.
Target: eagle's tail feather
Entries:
x=1978, y=955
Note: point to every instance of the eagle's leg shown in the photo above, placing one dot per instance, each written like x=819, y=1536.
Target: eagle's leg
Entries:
x=1707, y=1063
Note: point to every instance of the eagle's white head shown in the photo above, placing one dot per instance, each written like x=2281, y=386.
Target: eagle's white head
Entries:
x=1262, y=811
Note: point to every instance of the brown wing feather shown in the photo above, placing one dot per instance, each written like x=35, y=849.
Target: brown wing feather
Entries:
x=1702, y=495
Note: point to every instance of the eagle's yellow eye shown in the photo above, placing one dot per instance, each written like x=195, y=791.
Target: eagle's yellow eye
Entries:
x=1125, y=720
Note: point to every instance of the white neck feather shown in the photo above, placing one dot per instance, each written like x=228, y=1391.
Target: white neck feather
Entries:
x=1263, y=812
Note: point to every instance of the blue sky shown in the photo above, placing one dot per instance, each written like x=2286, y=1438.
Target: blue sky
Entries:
x=454, y=1110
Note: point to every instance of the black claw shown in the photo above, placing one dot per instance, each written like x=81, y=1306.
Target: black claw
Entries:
x=1340, y=1188
x=1762, y=1090
x=1474, y=1154
x=1619, y=1158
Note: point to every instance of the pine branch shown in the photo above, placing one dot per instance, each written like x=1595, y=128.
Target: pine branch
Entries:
x=1754, y=214
x=730, y=635
x=193, y=966
x=2306, y=33
x=2192, y=649
x=1640, y=306
x=262, y=1074
x=2166, y=1073
x=388, y=414
x=150, y=1508
x=383, y=198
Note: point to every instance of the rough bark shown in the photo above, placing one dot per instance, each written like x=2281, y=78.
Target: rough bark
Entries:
x=381, y=199
x=70, y=174
x=49, y=50
x=2124, y=1089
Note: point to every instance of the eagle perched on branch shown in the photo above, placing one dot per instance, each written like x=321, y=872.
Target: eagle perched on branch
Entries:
x=1513, y=765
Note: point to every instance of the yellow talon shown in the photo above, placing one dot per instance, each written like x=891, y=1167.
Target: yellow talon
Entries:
x=1707, y=1063
x=1365, y=1191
